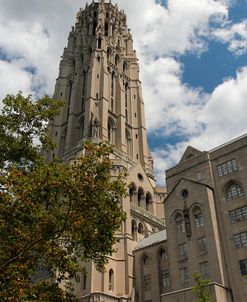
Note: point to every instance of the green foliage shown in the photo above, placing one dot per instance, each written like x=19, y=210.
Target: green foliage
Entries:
x=200, y=289
x=53, y=216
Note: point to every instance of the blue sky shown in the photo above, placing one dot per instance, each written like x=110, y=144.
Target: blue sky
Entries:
x=192, y=55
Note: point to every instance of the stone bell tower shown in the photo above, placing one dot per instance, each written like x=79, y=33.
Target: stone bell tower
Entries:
x=99, y=84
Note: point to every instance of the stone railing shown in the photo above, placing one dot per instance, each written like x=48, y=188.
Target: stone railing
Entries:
x=147, y=214
x=73, y=151
x=123, y=156
x=100, y=297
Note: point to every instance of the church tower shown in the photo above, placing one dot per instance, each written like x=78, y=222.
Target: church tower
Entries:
x=99, y=84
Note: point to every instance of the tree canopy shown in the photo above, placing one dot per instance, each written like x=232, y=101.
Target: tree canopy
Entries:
x=53, y=216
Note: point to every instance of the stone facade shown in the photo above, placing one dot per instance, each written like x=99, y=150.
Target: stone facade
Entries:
x=205, y=209
x=206, y=229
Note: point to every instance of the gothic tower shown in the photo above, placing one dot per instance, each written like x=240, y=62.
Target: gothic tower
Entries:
x=99, y=83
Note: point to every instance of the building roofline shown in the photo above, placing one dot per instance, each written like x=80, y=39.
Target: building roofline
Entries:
x=190, y=180
x=228, y=143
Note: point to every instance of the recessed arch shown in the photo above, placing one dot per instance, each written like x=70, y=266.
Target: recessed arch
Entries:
x=149, y=201
x=233, y=190
x=140, y=196
x=109, y=53
x=162, y=254
x=132, y=191
x=128, y=142
x=63, y=140
x=125, y=66
x=134, y=229
x=111, y=279
x=111, y=131
x=145, y=259
x=117, y=59
x=198, y=216
x=140, y=228
x=180, y=224
x=79, y=129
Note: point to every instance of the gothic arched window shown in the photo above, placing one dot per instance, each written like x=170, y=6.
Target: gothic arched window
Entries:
x=134, y=229
x=106, y=29
x=145, y=260
x=63, y=140
x=233, y=191
x=198, y=216
x=94, y=28
x=111, y=280
x=162, y=255
x=109, y=53
x=148, y=201
x=140, y=196
x=116, y=59
x=140, y=228
x=99, y=43
x=79, y=129
x=124, y=66
x=111, y=131
x=128, y=143
x=132, y=192
x=180, y=224
x=112, y=83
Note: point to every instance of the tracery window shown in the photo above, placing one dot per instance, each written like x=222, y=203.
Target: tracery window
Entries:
x=240, y=239
x=180, y=224
x=199, y=221
x=238, y=214
x=165, y=278
x=233, y=191
x=163, y=255
x=227, y=167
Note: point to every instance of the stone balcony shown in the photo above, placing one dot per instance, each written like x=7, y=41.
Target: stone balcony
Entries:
x=148, y=215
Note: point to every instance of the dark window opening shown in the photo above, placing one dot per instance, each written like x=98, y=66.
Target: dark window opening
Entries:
x=106, y=29
x=94, y=28
x=99, y=43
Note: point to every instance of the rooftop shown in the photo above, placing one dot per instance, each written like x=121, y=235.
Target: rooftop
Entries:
x=152, y=239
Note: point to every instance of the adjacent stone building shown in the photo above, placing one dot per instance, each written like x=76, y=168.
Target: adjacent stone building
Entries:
x=205, y=209
x=206, y=229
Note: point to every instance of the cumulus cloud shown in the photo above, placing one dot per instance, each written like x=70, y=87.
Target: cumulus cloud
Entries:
x=224, y=115
x=173, y=29
x=32, y=37
x=172, y=106
x=235, y=35
x=8, y=75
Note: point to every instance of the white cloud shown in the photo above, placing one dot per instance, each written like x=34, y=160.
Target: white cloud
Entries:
x=172, y=107
x=224, y=116
x=35, y=32
x=160, y=31
x=8, y=75
x=235, y=35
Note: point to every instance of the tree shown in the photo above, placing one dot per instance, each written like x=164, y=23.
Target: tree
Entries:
x=200, y=289
x=53, y=216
